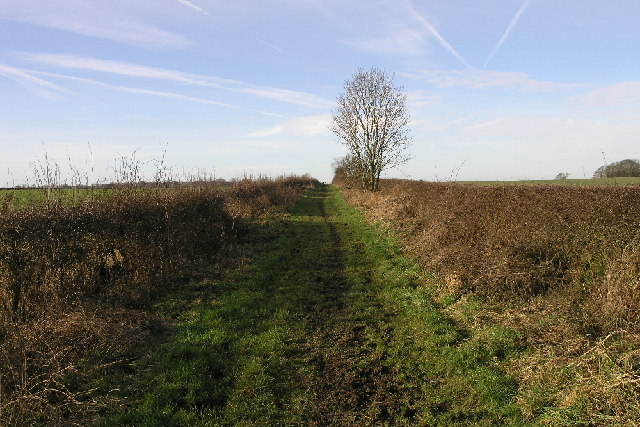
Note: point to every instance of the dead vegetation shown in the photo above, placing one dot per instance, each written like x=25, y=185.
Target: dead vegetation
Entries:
x=559, y=264
x=77, y=280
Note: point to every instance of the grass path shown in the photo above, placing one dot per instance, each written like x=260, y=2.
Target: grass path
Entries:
x=330, y=326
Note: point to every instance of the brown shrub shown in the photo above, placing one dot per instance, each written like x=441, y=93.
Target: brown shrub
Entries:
x=121, y=248
x=49, y=364
x=517, y=242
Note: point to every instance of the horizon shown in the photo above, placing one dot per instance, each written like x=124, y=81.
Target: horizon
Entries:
x=497, y=90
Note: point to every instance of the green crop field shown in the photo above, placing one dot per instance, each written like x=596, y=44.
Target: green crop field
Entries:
x=19, y=198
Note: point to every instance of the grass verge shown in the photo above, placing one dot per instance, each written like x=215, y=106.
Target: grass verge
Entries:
x=449, y=376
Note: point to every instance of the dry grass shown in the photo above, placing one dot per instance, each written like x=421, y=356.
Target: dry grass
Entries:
x=76, y=282
x=559, y=264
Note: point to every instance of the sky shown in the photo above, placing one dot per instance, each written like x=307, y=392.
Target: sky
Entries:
x=496, y=89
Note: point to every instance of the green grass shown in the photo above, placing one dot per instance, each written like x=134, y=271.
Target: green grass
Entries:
x=24, y=197
x=20, y=198
x=330, y=325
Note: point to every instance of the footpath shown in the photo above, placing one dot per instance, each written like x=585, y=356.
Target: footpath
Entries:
x=329, y=326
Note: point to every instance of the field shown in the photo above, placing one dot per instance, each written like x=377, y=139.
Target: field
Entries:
x=556, y=265
x=287, y=302
x=582, y=182
x=23, y=197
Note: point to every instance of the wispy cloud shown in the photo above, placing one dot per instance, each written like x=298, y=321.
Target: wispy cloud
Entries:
x=276, y=48
x=193, y=6
x=397, y=28
x=141, y=71
x=432, y=30
x=482, y=79
x=161, y=94
x=419, y=99
x=554, y=135
x=125, y=69
x=42, y=87
x=398, y=42
x=97, y=19
x=621, y=94
x=507, y=32
x=298, y=126
x=285, y=95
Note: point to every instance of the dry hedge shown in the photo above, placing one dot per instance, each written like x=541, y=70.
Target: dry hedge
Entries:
x=75, y=280
x=517, y=242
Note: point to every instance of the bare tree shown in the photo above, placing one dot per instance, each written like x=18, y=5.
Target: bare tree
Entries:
x=371, y=120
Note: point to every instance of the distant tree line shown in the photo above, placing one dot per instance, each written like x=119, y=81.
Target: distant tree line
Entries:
x=627, y=167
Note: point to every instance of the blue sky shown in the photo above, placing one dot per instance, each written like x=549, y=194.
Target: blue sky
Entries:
x=496, y=89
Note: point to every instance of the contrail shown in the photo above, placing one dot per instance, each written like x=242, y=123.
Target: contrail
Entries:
x=193, y=6
x=276, y=48
x=22, y=76
x=436, y=34
x=508, y=32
